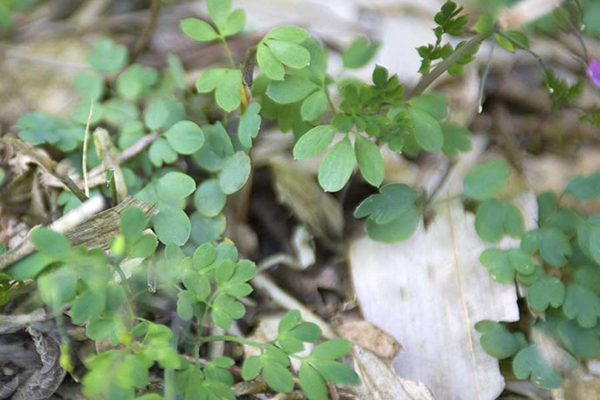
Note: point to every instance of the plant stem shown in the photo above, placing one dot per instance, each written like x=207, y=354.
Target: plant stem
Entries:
x=442, y=67
x=128, y=296
x=227, y=51
x=144, y=39
x=86, y=135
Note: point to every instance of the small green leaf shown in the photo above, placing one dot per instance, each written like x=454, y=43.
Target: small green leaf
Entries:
x=90, y=85
x=369, y=160
x=399, y=229
x=583, y=343
x=106, y=56
x=360, y=52
x=161, y=152
x=229, y=90
x=88, y=305
x=235, y=172
x=209, y=199
x=392, y=201
x=172, y=226
x=582, y=304
x=249, y=125
x=206, y=229
x=432, y=103
x=554, y=247
x=204, y=256
x=548, y=291
x=336, y=372
x=287, y=33
x=494, y=219
x=427, y=131
x=279, y=378
x=504, y=43
x=484, y=25
x=269, y=65
x=486, y=180
x=219, y=10
x=132, y=223
x=175, y=185
x=332, y=349
x=585, y=187
x=314, y=106
x=198, y=30
x=144, y=247
x=185, y=305
x=209, y=80
x=185, y=137
x=337, y=166
x=531, y=362
x=496, y=340
x=251, y=368
x=234, y=23
x=50, y=243
x=197, y=284
x=457, y=138
x=290, y=90
x=313, y=142
x=312, y=384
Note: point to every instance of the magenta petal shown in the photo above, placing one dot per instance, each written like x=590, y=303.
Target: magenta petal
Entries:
x=594, y=71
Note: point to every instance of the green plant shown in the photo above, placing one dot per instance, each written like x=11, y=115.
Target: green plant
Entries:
x=163, y=131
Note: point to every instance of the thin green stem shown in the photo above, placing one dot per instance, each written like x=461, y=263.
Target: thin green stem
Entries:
x=128, y=296
x=86, y=135
x=227, y=51
x=442, y=67
x=333, y=109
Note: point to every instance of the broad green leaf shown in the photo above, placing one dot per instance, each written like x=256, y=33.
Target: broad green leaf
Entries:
x=251, y=368
x=486, y=180
x=185, y=137
x=291, y=54
x=210, y=79
x=496, y=340
x=336, y=372
x=198, y=30
x=360, y=52
x=106, y=56
x=554, y=247
x=156, y=115
x=279, y=378
x=582, y=304
x=548, y=291
x=583, y=343
x=175, y=185
x=337, y=166
x=58, y=287
x=161, y=152
x=289, y=320
x=224, y=272
x=50, y=243
x=331, y=349
x=131, y=372
x=427, y=131
x=484, y=25
x=313, y=142
x=90, y=85
x=209, y=199
x=518, y=37
x=29, y=266
x=494, y=219
x=594, y=243
x=207, y=229
x=235, y=172
x=172, y=226
x=499, y=266
x=457, y=138
x=290, y=90
x=81, y=112
x=197, y=284
x=530, y=362
x=88, y=305
x=287, y=33
x=218, y=10
x=433, y=103
x=234, y=23
x=369, y=160
x=135, y=81
x=229, y=90
x=144, y=246
x=311, y=382
x=249, y=125
x=400, y=228
x=268, y=63
x=504, y=43
x=585, y=187
x=392, y=201
x=314, y=106
x=204, y=256
x=132, y=223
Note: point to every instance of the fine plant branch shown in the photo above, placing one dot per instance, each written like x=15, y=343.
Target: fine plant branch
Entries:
x=144, y=39
x=443, y=66
x=86, y=136
x=227, y=51
x=236, y=339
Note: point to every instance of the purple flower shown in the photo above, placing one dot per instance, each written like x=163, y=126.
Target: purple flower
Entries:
x=594, y=71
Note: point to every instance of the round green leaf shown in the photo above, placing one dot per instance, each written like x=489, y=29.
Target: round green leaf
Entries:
x=554, y=247
x=359, y=53
x=291, y=54
x=269, y=65
x=496, y=340
x=530, y=362
x=50, y=243
x=234, y=23
x=313, y=142
x=90, y=85
x=132, y=222
x=582, y=304
x=209, y=199
x=337, y=166
x=287, y=33
x=548, y=291
x=229, y=90
x=486, y=180
x=279, y=378
x=185, y=137
x=390, y=203
x=176, y=185
x=235, y=172
x=290, y=90
x=172, y=226
x=161, y=152
x=207, y=229
x=369, y=160
x=399, y=229
x=427, y=131
x=494, y=219
x=198, y=30
x=314, y=106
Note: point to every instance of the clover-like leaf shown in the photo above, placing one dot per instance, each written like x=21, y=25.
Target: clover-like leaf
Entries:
x=494, y=219
x=50, y=243
x=249, y=125
x=554, y=246
x=496, y=340
x=172, y=226
x=313, y=142
x=427, y=131
x=337, y=166
x=530, y=362
x=185, y=137
x=392, y=201
x=486, y=180
x=582, y=304
x=369, y=160
x=235, y=172
x=359, y=53
x=106, y=56
x=585, y=187
x=546, y=292
x=198, y=30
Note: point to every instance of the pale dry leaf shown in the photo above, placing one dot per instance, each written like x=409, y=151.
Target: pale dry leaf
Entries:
x=429, y=292
x=380, y=381
x=370, y=337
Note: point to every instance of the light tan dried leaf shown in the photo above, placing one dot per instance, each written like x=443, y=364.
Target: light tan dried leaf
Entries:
x=370, y=337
